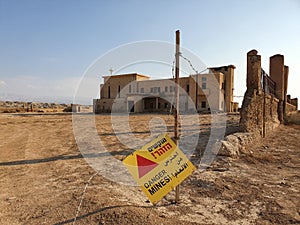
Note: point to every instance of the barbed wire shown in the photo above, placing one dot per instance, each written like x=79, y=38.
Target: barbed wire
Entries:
x=196, y=71
x=173, y=68
x=190, y=63
x=82, y=196
x=203, y=70
x=173, y=95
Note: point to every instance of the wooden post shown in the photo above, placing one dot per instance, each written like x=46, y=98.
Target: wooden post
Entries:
x=264, y=105
x=197, y=82
x=176, y=133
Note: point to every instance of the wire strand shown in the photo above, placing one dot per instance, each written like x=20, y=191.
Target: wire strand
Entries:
x=190, y=63
x=82, y=196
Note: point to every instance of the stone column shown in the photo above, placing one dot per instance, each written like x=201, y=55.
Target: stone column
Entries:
x=253, y=70
x=277, y=75
x=251, y=112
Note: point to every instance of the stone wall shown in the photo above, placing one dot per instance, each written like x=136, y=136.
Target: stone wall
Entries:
x=262, y=112
x=259, y=109
x=290, y=108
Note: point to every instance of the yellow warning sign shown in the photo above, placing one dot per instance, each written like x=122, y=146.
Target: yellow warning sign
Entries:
x=158, y=167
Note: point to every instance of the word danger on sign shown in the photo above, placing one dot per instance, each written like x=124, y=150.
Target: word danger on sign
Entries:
x=158, y=167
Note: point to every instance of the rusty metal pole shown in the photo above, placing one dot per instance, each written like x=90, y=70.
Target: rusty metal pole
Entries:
x=264, y=106
x=176, y=132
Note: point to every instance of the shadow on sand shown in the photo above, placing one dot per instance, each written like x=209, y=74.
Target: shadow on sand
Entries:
x=105, y=209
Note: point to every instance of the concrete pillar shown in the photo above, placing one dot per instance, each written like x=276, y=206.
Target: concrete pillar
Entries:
x=277, y=75
x=253, y=70
x=228, y=71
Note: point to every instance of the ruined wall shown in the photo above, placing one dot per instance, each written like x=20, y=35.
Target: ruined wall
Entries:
x=290, y=108
x=262, y=112
x=271, y=116
x=252, y=112
x=256, y=104
x=259, y=112
x=291, y=105
x=263, y=106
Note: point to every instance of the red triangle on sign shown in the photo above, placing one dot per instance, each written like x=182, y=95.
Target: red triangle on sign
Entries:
x=144, y=165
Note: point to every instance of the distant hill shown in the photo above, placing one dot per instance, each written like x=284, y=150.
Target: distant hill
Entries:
x=57, y=99
x=21, y=98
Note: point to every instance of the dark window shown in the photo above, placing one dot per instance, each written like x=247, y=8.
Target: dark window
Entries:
x=166, y=105
x=203, y=105
x=156, y=89
x=129, y=88
x=142, y=90
x=203, y=82
x=166, y=89
x=151, y=90
x=108, y=91
x=187, y=88
x=119, y=89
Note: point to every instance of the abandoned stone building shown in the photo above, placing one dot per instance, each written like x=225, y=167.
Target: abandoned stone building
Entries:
x=134, y=92
x=266, y=103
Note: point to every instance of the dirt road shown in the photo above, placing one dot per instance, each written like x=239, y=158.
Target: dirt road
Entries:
x=43, y=174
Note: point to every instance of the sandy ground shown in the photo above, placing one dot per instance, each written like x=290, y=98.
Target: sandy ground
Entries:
x=43, y=175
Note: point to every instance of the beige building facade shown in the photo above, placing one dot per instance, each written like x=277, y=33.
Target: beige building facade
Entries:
x=134, y=92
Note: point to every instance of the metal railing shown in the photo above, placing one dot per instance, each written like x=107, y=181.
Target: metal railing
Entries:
x=267, y=84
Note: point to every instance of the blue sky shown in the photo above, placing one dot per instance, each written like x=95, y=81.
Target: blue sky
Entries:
x=47, y=45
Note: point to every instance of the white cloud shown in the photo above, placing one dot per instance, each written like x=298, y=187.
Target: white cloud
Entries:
x=2, y=83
